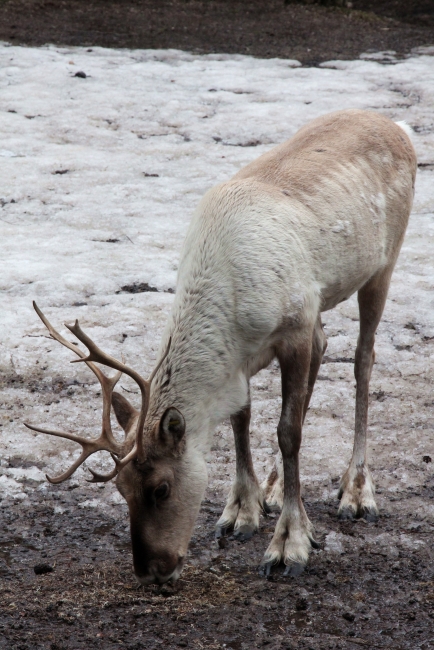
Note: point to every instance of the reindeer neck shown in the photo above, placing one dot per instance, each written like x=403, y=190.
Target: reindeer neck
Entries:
x=200, y=375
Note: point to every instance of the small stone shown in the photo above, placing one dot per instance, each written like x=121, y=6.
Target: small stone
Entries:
x=40, y=569
x=80, y=74
x=427, y=459
x=301, y=604
x=348, y=616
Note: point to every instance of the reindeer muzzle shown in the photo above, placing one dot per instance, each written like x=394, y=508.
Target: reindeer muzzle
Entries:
x=158, y=573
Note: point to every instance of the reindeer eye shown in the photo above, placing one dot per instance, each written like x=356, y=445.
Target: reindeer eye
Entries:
x=161, y=492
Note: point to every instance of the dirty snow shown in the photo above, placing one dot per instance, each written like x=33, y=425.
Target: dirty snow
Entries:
x=99, y=178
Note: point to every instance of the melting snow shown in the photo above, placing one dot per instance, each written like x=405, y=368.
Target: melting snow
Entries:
x=99, y=179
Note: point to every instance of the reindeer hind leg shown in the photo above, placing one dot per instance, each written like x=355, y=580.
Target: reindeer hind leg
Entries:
x=357, y=488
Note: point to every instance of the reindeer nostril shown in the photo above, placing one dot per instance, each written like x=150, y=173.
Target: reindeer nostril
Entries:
x=158, y=570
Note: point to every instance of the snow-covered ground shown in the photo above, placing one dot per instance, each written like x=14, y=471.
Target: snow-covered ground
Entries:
x=99, y=178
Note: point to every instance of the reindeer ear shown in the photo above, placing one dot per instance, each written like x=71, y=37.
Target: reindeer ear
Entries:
x=172, y=427
x=124, y=411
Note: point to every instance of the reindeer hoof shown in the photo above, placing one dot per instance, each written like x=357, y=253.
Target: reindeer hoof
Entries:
x=265, y=569
x=346, y=514
x=266, y=508
x=314, y=543
x=293, y=570
x=369, y=514
x=222, y=531
x=243, y=533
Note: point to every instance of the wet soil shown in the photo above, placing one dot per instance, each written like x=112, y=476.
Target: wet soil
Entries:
x=310, y=31
x=354, y=593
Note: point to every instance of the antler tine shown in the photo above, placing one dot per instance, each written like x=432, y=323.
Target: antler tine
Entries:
x=119, y=464
x=141, y=421
x=96, y=354
x=89, y=447
x=160, y=363
x=135, y=451
x=58, y=337
x=106, y=441
x=107, y=383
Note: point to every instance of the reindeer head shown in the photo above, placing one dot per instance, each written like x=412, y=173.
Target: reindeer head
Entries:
x=160, y=475
x=163, y=490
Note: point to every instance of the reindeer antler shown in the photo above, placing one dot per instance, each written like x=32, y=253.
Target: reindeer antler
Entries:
x=106, y=441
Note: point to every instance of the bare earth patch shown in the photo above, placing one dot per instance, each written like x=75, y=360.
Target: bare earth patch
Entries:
x=370, y=585
x=307, y=31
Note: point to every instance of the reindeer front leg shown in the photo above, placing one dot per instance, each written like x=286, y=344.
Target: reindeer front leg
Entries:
x=293, y=535
x=246, y=500
x=273, y=484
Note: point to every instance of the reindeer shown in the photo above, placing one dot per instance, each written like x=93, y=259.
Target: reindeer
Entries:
x=293, y=234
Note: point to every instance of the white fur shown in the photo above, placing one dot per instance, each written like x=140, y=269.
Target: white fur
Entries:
x=254, y=260
x=406, y=128
x=358, y=490
x=261, y=261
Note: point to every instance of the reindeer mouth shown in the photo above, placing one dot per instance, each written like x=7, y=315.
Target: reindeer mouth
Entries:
x=158, y=579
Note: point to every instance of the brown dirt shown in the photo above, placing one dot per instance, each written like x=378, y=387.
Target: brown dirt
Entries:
x=365, y=596
x=308, y=32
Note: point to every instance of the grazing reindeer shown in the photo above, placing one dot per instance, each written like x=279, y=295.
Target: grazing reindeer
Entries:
x=291, y=235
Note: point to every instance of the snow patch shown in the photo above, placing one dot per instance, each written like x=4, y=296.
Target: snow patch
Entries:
x=334, y=543
x=98, y=188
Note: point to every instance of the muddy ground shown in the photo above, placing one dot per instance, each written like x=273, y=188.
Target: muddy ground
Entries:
x=369, y=585
x=308, y=32
x=363, y=595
